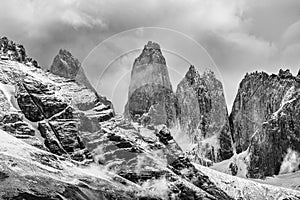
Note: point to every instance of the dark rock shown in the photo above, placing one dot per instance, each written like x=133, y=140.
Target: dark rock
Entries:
x=51, y=141
x=3, y=176
x=124, y=145
x=233, y=168
x=164, y=136
x=285, y=74
x=37, y=102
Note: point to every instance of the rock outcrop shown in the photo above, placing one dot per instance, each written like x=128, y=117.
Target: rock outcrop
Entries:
x=64, y=64
x=203, y=115
x=12, y=51
x=265, y=120
x=150, y=92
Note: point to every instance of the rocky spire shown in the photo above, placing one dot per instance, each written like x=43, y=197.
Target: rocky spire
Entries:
x=150, y=54
x=150, y=90
x=192, y=75
x=203, y=114
x=66, y=65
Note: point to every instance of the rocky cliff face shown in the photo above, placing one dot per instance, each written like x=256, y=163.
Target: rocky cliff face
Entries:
x=265, y=120
x=150, y=92
x=203, y=115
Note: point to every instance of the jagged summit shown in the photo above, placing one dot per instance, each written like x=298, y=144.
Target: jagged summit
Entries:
x=285, y=73
x=265, y=119
x=282, y=74
x=150, y=90
x=203, y=116
x=150, y=54
x=9, y=50
x=65, y=65
x=192, y=75
x=152, y=45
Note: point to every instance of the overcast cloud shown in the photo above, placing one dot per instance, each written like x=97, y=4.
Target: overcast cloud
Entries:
x=241, y=36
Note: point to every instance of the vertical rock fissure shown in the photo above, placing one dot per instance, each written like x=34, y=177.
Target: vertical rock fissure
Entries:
x=44, y=115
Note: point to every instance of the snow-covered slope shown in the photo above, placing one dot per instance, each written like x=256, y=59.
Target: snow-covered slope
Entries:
x=28, y=173
x=241, y=188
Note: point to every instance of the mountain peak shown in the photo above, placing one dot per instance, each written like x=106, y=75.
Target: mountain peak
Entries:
x=285, y=73
x=192, y=74
x=64, y=64
x=65, y=52
x=150, y=54
x=152, y=45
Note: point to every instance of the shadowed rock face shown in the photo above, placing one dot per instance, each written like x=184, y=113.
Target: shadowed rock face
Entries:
x=203, y=114
x=150, y=91
x=265, y=119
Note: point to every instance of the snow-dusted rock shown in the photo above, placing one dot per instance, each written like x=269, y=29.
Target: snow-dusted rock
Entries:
x=265, y=120
x=203, y=116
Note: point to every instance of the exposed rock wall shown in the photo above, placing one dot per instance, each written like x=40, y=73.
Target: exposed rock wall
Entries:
x=150, y=91
x=203, y=115
x=265, y=120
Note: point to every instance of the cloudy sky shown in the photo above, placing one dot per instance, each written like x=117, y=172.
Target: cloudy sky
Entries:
x=240, y=36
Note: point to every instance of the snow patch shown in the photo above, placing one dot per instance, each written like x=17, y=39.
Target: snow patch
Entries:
x=287, y=99
x=9, y=92
x=291, y=162
x=183, y=140
x=156, y=188
x=240, y=160
x=241, y=188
